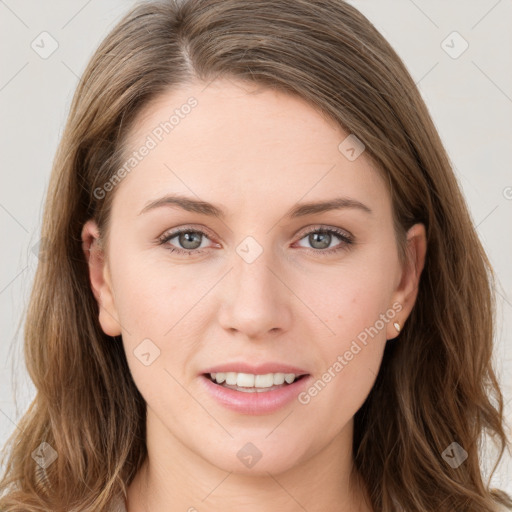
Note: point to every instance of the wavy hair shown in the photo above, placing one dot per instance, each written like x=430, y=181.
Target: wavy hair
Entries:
x=436, y=385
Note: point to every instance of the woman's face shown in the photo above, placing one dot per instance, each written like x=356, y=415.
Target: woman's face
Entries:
x=256, y=283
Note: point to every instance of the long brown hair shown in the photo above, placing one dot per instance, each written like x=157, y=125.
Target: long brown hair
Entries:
x=436, y=385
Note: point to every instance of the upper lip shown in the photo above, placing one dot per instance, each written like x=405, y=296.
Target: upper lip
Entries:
x=261, y=369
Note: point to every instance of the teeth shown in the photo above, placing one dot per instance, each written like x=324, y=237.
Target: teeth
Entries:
x=249, y=380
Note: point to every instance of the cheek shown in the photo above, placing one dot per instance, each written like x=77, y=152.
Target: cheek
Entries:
x=351, y=357
x=356, y=309
x=143, y=293
x=353, y=298
x=162, y=314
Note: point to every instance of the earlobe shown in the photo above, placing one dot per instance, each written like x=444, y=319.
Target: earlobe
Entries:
x=407, y=290
x=100, y=279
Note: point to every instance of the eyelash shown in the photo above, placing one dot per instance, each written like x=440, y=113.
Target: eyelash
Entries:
x=347, y=240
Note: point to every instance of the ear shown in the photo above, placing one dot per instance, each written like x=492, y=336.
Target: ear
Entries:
x=407, y=289
x=100, y=279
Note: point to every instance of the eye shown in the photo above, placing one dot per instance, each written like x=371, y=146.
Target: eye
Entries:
x=320, y=239
x=191, y=240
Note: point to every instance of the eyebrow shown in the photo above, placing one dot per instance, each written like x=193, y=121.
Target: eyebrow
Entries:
x=300, y=210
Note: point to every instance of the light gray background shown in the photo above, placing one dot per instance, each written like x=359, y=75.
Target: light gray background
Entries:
x=469, y=97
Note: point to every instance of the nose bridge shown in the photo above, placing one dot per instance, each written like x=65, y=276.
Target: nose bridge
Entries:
x=252, y=263
x=252, y=270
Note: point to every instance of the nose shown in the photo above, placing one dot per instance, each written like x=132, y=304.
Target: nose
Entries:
x=255, y=298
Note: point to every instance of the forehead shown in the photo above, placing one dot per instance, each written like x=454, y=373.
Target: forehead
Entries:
x=244, y=142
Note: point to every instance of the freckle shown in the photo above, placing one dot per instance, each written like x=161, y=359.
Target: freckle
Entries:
x=339, y=316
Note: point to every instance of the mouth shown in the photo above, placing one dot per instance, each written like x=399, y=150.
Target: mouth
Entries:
x=252, y=383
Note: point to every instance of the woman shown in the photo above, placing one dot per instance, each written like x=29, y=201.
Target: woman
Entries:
x=265, y=290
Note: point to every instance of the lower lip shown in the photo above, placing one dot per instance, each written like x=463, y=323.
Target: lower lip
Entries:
x=262, y=402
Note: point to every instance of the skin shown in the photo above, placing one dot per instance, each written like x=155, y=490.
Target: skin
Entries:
x=256, y=153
